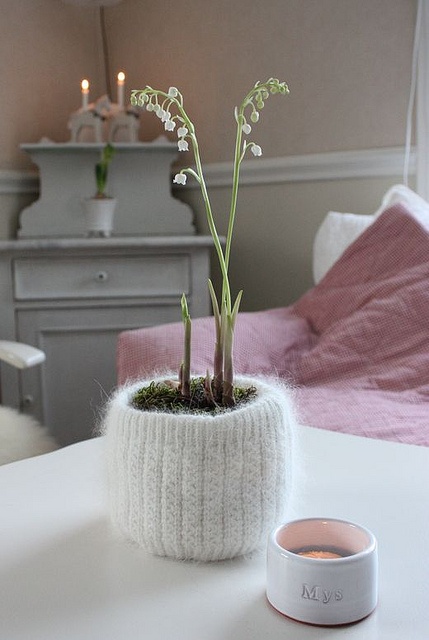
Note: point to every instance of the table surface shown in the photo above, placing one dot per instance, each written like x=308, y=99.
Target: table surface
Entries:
x=65, y=575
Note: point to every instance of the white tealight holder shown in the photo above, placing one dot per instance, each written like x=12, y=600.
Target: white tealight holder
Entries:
x=322, y=571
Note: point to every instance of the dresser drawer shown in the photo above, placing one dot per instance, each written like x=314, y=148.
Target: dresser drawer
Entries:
x=98, y=277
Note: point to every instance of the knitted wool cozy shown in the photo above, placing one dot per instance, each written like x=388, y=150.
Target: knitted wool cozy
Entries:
x=199, y=486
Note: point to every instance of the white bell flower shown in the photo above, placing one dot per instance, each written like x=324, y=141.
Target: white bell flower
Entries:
x=180, y=178
x=183, y=145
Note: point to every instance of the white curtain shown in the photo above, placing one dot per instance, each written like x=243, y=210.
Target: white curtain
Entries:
x=422, y=110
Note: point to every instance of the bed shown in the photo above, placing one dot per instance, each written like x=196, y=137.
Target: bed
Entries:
x=355, y=347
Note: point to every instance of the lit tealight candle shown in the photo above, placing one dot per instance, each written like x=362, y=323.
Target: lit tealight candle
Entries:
x=121, y=83
x=320, y=554
x=85, y=92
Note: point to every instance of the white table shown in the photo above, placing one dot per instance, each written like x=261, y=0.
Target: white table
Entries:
x=64, y=575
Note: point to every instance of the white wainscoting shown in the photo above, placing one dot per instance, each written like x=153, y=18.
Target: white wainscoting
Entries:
x=335, y=165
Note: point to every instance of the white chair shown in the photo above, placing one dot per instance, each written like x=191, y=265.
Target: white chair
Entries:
x=21, y=436
x=20, y=355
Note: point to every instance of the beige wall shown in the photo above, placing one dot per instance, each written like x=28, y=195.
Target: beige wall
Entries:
x=347, y=63
x=46, y=48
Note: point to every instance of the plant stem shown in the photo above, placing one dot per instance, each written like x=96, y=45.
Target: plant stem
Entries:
x=228, y=370
x=218, y=351
x=235, y=182
x=185, y=369
x=210, y=220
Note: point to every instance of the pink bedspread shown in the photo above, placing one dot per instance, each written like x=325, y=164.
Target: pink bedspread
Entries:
x=355, y=347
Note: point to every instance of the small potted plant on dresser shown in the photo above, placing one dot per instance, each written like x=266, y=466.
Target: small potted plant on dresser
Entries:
x=100, y=209
x=200, y=467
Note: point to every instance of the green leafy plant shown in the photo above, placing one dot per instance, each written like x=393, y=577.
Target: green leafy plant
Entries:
x=169, y=107
x=102, y=170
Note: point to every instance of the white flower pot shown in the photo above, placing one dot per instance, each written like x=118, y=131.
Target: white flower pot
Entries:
x=200, y=487
x=99, y=214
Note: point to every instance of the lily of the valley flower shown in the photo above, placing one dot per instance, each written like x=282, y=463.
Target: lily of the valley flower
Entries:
x=162, y=114
x=173, y=92
x=256, y=150
x=169, y=125
x=183, y=145
x=180, y=178
x=254, y=116
x=246, y=128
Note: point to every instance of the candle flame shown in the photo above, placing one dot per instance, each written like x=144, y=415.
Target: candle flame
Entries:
x=85, y=85
x=121, y=76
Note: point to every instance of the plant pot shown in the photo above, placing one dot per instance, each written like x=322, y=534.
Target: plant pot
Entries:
x=99, y=214
x=200, y=487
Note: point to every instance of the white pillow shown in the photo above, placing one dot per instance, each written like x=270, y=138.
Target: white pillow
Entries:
x=335, y=234
x=399, y=193
x=339, y=230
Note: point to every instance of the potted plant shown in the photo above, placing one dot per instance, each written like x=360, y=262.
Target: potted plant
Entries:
x=200, y=467
x=100, y=208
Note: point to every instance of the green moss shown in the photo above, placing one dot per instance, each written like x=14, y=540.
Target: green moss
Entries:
x=166, y=396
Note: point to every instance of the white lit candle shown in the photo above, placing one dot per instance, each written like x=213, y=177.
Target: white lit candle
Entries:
x=85, y=92
x=121, y=83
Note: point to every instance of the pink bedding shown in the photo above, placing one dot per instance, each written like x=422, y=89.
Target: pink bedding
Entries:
x=355, y=347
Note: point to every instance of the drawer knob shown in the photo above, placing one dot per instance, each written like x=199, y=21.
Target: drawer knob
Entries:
x=27, y=402
x=101, y=276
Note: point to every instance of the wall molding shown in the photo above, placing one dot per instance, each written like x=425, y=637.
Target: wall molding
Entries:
x=19, y=182
x=334, y=165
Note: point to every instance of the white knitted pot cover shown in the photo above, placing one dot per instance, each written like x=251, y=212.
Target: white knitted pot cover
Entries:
x=200, y=487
